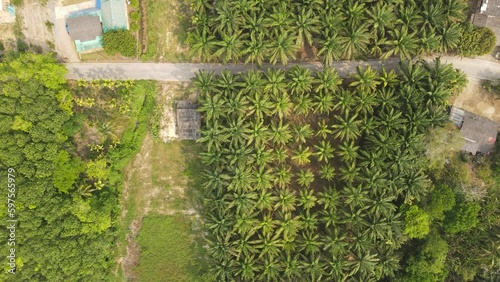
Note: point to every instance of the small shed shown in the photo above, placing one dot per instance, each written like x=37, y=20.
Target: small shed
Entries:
x=478, y=132
x=188, y=120
x=114, y=14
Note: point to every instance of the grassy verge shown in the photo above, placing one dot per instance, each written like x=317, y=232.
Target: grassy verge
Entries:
x=167, y=252
x=167, y=23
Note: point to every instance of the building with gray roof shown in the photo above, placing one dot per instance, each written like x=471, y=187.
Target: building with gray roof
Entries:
x=479, y=133
x=487, y=14
x=84, y=28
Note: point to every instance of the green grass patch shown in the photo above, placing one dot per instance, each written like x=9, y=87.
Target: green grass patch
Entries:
x=167, y=250
x=167, y=24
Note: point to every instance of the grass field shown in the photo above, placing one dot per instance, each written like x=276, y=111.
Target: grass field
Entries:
x=167, y=21
x=158, y=185
x=167, y=251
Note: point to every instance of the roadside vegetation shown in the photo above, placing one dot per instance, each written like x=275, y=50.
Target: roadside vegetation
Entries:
x=68, y=143
x=282, y=32
x=120, y=41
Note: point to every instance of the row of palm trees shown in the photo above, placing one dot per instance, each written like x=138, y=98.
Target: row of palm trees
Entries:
x=275, y=31
x=307, y=173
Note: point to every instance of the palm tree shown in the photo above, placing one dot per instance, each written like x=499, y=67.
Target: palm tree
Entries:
x=387, y=98
x=355, y=13
x=252, y=82
x=388, y=78
x=204, y=81
x=355, y=196
x=242, y=179
x=329, y=198
x=301, y=155
x=283, y=177
x=264, y=178
x=306, y=24
x=348, y=151
x=355, y=40
x=262, y=156
x=429, y=41
x=231, y=47
x=202, y=44
x=292, y=269
x=242, y=202
x=276, y=81
x=286, y=200
x=280, y=19
x=366, y=101
x=227, y=82
x=305, y=178
x=248, y=268
x=307, y=199
x=86, y=190
x=303, y=104
x=403, y=44
x=301, y=80
x=450, y=36
x=327, y=80
x=260, y=106
x=330, y=50
x=282, y=48
x=258, y=133
x=271, y=269
x=365, y=79
x=323, y=129
x=255, y=50
x=347, y=127
x=246, y=224
x=213, y=137
x=280, y=133
x=282, y=105
x=289, y=226
x=265, y=200
x=432, y=16
x=345, y=101
x=408, y=16
x=390, y=119
x=349, y=171
x=454, y=10
x=364, y=263
x=309, y=243
x=302, y=132
x=268, y=225
x=323, y=102
x=228, y=20
x=381, y=17
x=254, y=22
x=326, y=172
x=324, y=151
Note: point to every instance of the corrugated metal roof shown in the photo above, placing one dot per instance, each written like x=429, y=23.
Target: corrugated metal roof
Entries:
x=478, y=132
x=84, y=28
x=188, y=120
x=114, y=14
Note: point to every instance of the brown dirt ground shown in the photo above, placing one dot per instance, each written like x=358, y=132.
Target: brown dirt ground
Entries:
x=477, y=100
x=33, y=17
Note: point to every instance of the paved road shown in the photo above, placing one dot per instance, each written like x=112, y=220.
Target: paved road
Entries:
x=474, y=68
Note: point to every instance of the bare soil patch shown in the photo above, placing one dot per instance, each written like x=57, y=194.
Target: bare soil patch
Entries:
x=34, y=16
x=474, y=98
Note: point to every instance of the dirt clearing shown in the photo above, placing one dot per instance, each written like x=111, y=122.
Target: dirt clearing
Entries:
x=34, y=17
x=477, y=100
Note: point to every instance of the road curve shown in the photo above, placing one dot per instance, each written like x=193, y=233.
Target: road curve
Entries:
x=473, y=68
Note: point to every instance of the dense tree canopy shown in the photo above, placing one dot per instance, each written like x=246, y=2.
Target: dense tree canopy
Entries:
x=309, y=176
x=278, y=31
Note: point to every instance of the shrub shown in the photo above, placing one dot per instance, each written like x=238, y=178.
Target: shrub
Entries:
x=2, y=48
x=120, y=41
x=476, y=41
x=134, y=27
x=135, y=15
x=462, y=217
x=134, y=3
x=417, y=222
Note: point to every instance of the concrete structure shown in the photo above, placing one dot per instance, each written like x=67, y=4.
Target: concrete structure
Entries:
x=479, y=133
x=188, y=120
x=487, y=14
